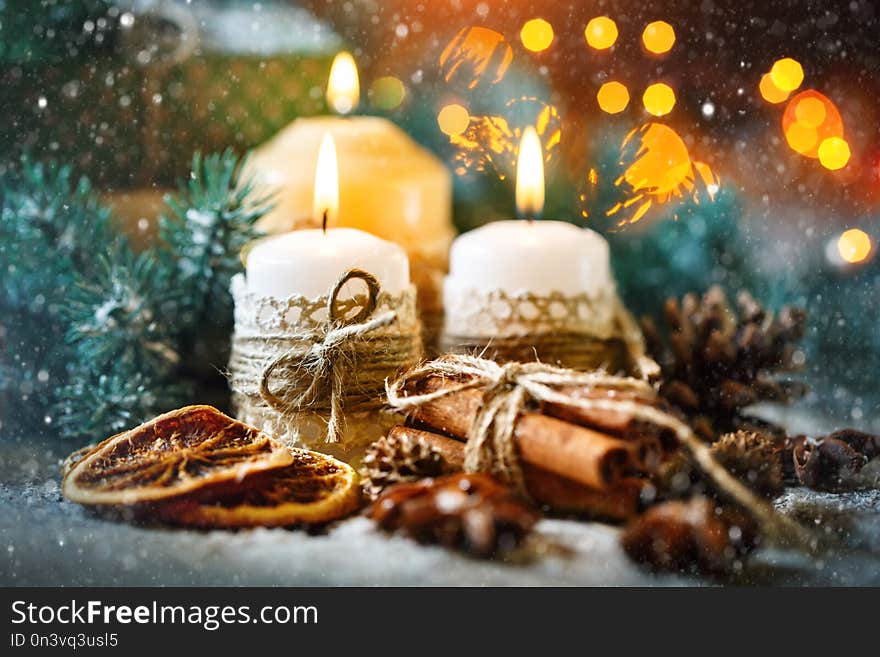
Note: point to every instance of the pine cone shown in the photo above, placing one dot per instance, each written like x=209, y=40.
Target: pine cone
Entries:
x=753, y=458
x=399, y=458
x=715, y=363
x=471, y=512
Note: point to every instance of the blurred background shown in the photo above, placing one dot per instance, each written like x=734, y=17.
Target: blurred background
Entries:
x=735, y=143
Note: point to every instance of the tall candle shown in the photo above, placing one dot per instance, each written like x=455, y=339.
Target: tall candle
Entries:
x=388, y=185
x=309, y=262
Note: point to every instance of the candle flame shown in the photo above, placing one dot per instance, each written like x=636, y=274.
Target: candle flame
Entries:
x=325, y=203
x=530, y=175
x=343, y=86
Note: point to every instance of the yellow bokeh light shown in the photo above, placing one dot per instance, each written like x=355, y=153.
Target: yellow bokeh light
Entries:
x=810, y=112
x=453, y=119
x=601, y=33
x=536, y=35
x=834, y=153
x=613, y=97
x=854, y=245
x=770, y=92
x=787, y=74
x=658, y=37
x=658, y=99
x=801, y=137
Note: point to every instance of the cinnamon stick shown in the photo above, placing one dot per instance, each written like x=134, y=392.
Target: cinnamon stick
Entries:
x=561, y=494
x=619, y=502
x=616, y=422
x=589, y=457
x=578, y=453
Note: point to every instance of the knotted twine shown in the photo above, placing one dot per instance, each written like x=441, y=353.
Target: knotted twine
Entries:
x=341, y=366
x=578, y=345
x=508, y=388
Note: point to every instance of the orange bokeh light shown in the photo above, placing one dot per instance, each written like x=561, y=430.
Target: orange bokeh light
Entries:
x=658, y=37
x=536, y=35
x=613, y=97
x=806, y=126
x=770, y=92
x=658, y=99
x=601, y=33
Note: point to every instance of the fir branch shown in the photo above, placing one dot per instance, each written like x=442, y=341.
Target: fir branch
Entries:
x=95, y=405
x=50, y=226
x=115, y=316
x=207, y=224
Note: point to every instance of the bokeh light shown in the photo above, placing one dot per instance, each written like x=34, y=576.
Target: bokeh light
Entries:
x=787, y=74
x=657, y=169
x=489, y=142
x=601, y=33
x=476, y=56
x=658, y=99
x=536, y=35
x=387, y=93
x=802, y=138
x=770, y=92
x=854, y=245
x=658, y=37
x=810, y=118
x=834, y=153
x=613, y=97
x=453, y=119
x=810, y=111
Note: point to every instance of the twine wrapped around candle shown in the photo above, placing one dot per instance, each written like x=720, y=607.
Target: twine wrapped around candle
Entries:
x=331, y=368
x=582, y=332
x=508, y=388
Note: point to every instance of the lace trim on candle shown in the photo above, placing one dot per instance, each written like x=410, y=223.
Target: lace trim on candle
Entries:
x=500, y=314
x=265, y=316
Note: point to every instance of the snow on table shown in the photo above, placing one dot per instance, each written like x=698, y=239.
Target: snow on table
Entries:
x=45, y=540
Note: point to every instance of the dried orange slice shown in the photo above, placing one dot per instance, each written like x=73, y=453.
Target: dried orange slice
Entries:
x=196, y=449
x=315, y=488
x=75, y=457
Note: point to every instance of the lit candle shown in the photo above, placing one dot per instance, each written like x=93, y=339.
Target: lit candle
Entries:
x=388, y=185
x=525, y=289
x=527, y=255
x=309, y=262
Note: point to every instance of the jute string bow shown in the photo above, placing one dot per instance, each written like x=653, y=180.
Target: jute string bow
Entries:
x=319, y=360
x=508, y=388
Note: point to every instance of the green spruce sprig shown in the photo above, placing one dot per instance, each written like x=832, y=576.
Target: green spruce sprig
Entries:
x=116, y=315
x=208, y=222
x=91, y=333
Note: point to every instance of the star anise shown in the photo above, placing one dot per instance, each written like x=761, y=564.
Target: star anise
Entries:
x=471, y=512
x=697, y=535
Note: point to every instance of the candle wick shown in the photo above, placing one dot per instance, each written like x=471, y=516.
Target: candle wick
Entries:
x=324, y=221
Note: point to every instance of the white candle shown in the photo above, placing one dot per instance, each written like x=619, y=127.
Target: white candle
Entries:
x=534, y=256
x=529, y=256
x=309, y=262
